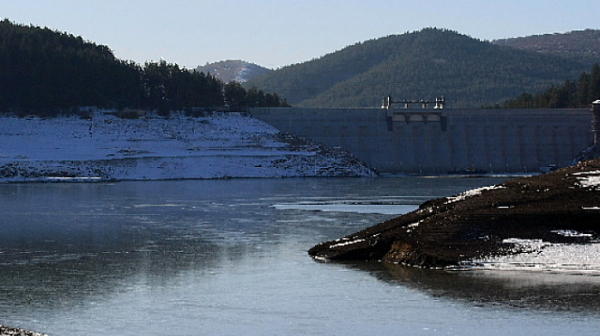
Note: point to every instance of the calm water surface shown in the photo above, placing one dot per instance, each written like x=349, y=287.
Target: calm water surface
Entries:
x=228, y=257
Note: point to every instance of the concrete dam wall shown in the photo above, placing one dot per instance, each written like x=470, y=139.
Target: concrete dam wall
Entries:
x=439, y=141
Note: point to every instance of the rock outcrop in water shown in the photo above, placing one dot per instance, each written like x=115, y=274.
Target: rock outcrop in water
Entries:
x=476, y=224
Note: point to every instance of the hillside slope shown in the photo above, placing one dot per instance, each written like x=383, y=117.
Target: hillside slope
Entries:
x=420, y=65
x=233, y=70
x=581, y=42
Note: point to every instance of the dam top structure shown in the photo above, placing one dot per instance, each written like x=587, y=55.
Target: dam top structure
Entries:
x=438, y=103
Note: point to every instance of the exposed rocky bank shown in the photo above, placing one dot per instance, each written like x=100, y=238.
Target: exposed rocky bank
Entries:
x=7, y=331
x=477, y=224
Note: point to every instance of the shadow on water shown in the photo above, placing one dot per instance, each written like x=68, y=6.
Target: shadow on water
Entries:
x=520, y=290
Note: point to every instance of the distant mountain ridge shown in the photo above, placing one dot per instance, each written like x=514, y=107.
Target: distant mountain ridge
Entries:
x=580, y=42
x=421, y=65
x=233, y=70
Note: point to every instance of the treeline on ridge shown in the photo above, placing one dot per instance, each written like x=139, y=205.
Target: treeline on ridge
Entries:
x=46, y=72
x=572, y=94
x=421, y=65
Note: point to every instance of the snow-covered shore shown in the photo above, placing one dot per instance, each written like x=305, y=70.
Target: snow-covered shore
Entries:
x=105, y=147
x=536, y=255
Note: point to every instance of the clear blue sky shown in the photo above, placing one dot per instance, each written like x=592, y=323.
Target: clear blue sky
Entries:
x=275, y=33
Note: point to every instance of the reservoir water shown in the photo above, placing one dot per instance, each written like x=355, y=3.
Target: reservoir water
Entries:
x=228, y=257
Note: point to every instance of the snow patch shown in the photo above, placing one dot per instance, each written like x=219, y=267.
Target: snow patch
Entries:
x=588, y=180
x=414, y=225
x=571, y=233
x=470, y=193
x=537, y=255
x=592, y=172
x=523, y=245
x=345, y=243
x=410, y=227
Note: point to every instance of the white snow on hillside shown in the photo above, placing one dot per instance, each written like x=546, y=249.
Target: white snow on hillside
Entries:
x=218, y=145
x=470, y=193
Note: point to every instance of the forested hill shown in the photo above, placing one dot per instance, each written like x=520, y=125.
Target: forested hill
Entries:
x=44, y=68
x=48, y=72
x=572, y=94
x=580, y=42
x=421, y=65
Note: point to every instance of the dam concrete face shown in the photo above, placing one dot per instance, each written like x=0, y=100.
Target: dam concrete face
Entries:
x=430, y=141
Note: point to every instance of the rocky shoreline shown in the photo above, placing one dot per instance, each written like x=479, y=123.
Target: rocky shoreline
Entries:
x=7, y=331
x=452, y=231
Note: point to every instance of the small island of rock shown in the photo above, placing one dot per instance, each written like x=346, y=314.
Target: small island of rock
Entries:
x=561, y=207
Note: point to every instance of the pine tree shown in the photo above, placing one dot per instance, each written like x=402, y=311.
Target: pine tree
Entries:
x=583, y=88
x=235, y=95
x=43, y=71
x=594, y=86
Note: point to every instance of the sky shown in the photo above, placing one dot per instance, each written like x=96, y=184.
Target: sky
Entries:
x=276, y=33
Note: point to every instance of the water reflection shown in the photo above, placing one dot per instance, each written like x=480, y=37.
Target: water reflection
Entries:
x=526, y=290
x=81, y=257
x=54, y=277
x=62, y=245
